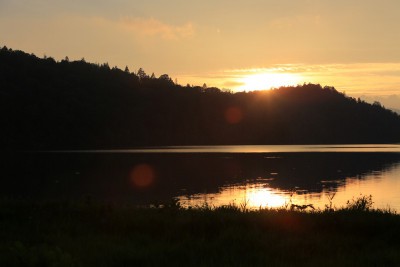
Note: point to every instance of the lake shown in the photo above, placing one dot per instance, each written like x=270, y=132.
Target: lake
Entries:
x=255, y=176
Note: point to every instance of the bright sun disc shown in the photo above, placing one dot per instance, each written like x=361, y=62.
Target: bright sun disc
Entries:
x=265, y=81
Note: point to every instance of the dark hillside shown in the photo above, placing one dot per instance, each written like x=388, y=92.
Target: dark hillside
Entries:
x=73, y=105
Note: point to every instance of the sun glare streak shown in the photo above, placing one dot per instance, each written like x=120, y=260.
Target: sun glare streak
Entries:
x=265, y=81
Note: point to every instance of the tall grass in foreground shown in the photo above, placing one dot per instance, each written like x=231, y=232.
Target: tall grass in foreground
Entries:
x=363, y=203
x=98, y=234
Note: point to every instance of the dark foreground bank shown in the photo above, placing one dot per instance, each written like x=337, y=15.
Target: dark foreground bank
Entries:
x=93, y=234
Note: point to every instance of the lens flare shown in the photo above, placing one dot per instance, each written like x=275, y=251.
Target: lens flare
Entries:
x=233, y=115
x=142, y=175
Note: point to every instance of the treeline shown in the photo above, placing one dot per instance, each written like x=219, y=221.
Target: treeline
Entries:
x=47, y=104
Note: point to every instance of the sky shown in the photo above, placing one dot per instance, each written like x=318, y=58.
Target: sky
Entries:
x=353, y=45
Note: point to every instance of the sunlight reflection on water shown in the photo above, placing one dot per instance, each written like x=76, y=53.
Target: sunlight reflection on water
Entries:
x=382, y=185
x=252, y=196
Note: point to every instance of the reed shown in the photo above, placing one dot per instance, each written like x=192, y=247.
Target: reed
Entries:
x=110, y=234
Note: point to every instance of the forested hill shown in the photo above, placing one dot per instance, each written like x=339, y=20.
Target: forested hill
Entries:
x=75, y=105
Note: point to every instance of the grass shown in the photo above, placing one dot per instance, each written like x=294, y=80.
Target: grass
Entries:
x=100, y=234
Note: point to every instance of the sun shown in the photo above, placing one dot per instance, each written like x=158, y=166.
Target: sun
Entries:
x=265, y=81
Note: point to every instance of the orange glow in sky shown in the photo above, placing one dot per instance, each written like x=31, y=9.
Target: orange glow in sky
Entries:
x=352, y=45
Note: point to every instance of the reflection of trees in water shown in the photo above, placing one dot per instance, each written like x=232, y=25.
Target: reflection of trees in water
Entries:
x=109, y=176
x=310, y=172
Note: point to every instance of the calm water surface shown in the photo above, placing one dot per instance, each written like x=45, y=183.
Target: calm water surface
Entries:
x=257, y=176
x=383, y=185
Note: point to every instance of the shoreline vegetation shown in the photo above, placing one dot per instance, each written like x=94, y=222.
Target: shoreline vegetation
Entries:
x=89, y=233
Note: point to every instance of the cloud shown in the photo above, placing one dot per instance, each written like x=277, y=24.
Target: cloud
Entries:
x=153, y=27
x=232, y=84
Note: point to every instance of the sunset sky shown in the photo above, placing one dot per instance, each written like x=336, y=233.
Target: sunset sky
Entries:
x=353, y=45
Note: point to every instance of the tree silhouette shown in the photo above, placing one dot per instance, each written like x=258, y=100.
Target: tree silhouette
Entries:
x=46, y=104
x=142, y=74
